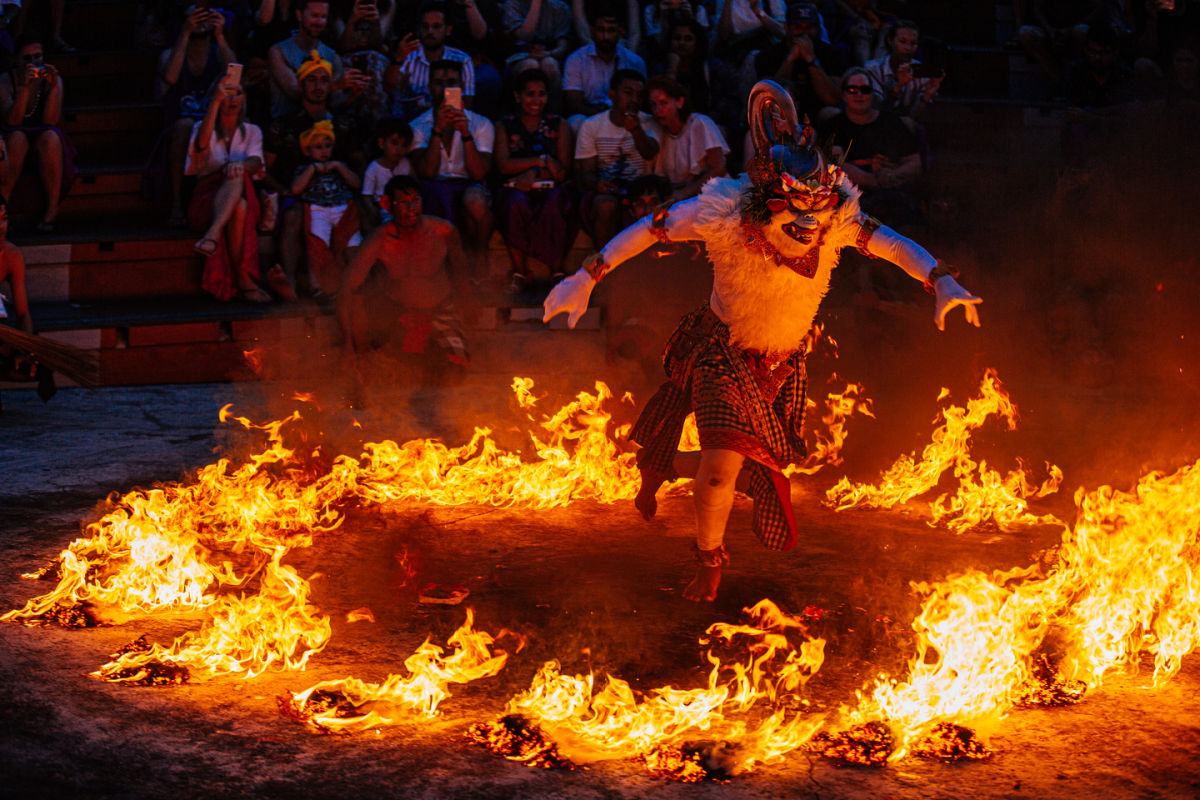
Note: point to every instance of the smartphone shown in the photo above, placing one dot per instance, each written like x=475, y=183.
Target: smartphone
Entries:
x=359, y=62
x=233, y=74
x=452, y=96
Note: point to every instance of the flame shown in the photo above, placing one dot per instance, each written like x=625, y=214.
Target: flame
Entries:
x=360, y=706
x=1123, y=586
x=587, y=724
x=827, y=444
x=982, y=495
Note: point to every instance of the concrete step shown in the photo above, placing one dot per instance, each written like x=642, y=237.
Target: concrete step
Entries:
x=112, y=134
x=98, y=77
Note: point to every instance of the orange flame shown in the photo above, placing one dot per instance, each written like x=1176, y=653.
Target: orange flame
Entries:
x=982, y=495
x=399, y=697
x=589, y=725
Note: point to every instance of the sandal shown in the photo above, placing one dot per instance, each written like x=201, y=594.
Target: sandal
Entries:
x=206, y=247
x=254, y=295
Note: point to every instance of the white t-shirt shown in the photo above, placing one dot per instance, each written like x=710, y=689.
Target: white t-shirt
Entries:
x=378, y=175
x=744, y=20
x=681, y=157
x=453, y=165
x=619, y=160
x=246, y=143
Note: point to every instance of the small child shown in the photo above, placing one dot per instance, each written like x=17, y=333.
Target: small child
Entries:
x=394, y=139
x=326, y=187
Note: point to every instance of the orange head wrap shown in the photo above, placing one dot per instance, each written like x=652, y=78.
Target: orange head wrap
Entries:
x=311, y=64
x=317, y=131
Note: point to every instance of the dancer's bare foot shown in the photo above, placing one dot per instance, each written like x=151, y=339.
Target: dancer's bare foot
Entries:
x=703, y=588
x=278, y=281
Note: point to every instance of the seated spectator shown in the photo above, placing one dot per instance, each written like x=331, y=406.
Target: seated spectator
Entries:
x=533, y=150
x=416, y=298
x=326, y=190
x=802, y=62
x=283, y=153
x=660, y=18
x=14, y=306
x=537, y=32
x=746, y=26
x=628, y=14
x=186, y=75
x=589, y=71
x=365, y=17
x=613, y=148
x=1057, y=35
x=286, y=56
x=394, y=139
x=692, y=149
x=31, y=95
x=361, y=42
x=686, y=60
x=225, y=153
x=856, y=27
x=413, y=75
x=1100, y=88
x=452, y=154
x=647, y=193
x=884, y=159
x=896, y=77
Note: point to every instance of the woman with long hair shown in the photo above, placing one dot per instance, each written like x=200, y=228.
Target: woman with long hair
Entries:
x=533, y=151
x=692, y=148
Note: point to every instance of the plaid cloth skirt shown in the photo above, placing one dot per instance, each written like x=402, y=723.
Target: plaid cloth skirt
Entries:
x=750, y=403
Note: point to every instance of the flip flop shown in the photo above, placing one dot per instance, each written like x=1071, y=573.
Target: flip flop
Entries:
x=205, y=247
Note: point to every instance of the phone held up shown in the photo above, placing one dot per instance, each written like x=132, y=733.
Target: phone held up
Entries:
x=233, y=74
x=452, y=97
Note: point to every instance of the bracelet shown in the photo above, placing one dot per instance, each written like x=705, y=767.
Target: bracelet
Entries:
x=595, y=266
x=940, y=271
x=717, y=557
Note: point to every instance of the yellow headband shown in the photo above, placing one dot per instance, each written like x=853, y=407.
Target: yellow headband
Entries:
x=317, y=131
x=311, y=64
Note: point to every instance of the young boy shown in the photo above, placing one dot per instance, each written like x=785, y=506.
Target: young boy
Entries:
x=325, y=188
x=394, y=139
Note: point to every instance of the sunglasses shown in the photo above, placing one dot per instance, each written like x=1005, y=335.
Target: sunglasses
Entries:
x=857, y=90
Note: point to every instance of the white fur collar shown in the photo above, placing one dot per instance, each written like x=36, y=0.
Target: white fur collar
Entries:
x=767, y=307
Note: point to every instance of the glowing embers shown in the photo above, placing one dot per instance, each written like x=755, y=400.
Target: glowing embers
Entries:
x=520, y=739
x=144, y=672
x=745, y=707
x=983, y=495
x=947, y=741
x=1046, y=686
x=352, y=705
x=867, y=745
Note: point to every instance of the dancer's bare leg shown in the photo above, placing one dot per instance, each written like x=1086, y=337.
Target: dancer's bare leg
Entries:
x=716, y=482
x=686, y=464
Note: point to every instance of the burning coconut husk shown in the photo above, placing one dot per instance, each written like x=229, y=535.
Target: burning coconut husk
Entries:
x=1047, y=686
x=694, y=762
x=866, y=745
x=518, y=738
x=947, y=741
x=123, y=669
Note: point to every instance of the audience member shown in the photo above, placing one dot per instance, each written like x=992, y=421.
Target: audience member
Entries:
x=746, y=26
x=361, y=41
x=186, y=75
x=452, y=154
x=884, y=158
x=589, y=71
x=31, y=95
x=629, y=19
x=414, y=75
x=286, y=56
x=393, y=138
x=803, y=63
x=692, y=149
x=533, y=151
x=326, y=189
x=1057, y=36
x=537, y=32
x=424, y=273
x=856, y=27
x=897, y=78
x=15, y=306
x=660, y=17
x=613, y=148
x=686, y=60
x=225, y=153
x=1099, y=89
x=283, y=153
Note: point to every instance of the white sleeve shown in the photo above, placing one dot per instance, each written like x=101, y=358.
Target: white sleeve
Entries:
x=370, y=186
x=585, y=142
x=483, y=132
x=680, y=226
x=573, y=73
x=254, y=148
x=901, y=251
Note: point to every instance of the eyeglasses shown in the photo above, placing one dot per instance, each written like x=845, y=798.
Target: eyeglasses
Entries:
x=857, y=89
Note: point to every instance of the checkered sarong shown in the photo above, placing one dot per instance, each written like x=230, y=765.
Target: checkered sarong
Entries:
x=439, y=327
x=743, y=402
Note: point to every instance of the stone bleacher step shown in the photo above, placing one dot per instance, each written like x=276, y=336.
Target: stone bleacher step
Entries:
x=99, y=24
x=112, y=134
x=98, y=77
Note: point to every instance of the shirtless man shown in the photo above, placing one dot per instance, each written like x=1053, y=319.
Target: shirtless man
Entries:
x=425, y=271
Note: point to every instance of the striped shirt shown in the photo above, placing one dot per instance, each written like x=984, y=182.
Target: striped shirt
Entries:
x=416, y=69
x=617, y=158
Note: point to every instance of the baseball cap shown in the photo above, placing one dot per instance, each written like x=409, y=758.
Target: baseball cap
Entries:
x=803, y=12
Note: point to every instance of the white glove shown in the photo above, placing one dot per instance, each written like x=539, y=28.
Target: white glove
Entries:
x=949, y=294
x=570, y=296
